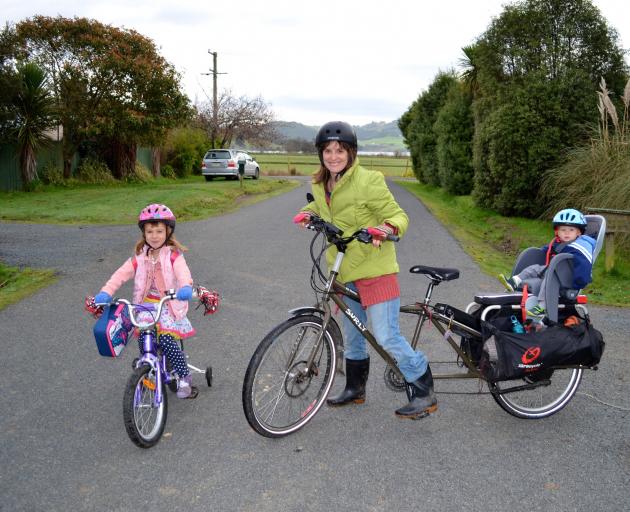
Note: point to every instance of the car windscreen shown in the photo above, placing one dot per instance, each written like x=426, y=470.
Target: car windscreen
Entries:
x=218, y=155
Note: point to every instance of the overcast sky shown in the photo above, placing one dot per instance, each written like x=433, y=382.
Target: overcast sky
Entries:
x=356, y=60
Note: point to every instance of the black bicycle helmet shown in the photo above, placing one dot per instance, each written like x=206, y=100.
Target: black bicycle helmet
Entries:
x=336, y=130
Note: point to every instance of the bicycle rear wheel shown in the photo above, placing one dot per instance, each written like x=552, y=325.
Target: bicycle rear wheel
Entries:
x=144, y=419
x=539, y=395
x=280, y=393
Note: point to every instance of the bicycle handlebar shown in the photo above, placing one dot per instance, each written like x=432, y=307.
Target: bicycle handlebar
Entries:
x=334, y=234
x=131, y=308
x=209, y=299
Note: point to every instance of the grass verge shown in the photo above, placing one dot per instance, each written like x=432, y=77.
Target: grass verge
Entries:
x=191, y=199
x=494, y=241
x=17, y=283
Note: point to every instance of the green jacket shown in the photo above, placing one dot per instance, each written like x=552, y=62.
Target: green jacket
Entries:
x=360, y=199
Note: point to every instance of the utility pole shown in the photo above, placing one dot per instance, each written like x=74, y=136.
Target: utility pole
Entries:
x=215, y=105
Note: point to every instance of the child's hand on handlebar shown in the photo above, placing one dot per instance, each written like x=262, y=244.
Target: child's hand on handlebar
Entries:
x=184, y=293
x=102, y=298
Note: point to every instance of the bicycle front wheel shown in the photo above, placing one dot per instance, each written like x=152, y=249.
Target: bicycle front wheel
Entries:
x=539, y=395
x=281, y=392
x=144, y=419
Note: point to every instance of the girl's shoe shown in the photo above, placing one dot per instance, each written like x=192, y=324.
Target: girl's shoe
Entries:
x=185, y=389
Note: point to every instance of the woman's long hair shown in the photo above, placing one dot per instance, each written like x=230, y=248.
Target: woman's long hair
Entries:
x=323, y=174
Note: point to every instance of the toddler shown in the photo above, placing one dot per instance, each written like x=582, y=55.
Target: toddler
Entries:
x=569, y=227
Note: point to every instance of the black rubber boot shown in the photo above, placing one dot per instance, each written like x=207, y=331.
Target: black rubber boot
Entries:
x=356, y=377
x=422, y=401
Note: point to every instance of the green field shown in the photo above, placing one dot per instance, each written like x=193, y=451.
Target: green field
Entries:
x=299, y=164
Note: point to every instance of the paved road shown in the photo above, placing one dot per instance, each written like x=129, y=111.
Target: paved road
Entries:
x=63, y=444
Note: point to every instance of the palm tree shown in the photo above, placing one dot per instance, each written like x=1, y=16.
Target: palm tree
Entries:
x=33, y=106
x=470, y=71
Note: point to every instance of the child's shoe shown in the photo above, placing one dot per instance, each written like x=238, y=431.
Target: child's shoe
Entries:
x=508, y=282
x=185, y=389
x=536, y=312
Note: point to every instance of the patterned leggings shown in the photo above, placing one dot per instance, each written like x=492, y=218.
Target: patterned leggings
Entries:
x=173, y=353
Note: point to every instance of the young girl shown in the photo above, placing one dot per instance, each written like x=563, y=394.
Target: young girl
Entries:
x=159, y=265
x=351, y=197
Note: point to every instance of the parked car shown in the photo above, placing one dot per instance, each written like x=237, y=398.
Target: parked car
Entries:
x=224, y=162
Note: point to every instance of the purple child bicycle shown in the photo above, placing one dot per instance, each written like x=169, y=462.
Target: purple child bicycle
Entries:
x=145, y=402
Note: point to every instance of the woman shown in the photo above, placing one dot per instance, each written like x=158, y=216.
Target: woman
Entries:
x=351, y=197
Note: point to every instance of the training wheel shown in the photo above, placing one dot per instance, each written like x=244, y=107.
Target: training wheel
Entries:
x=209, y=376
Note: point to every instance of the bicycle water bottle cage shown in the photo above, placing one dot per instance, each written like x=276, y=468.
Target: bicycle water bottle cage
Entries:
x=436, y=273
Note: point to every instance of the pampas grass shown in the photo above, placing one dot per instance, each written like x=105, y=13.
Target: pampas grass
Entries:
x=598, y=175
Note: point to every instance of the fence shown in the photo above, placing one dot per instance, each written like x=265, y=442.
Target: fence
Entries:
x=11, y=178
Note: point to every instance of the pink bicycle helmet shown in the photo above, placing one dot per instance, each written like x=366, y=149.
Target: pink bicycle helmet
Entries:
x=157, y=213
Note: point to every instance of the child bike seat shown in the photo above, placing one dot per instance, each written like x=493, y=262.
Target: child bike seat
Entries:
x=436, y=273
x=499, y=299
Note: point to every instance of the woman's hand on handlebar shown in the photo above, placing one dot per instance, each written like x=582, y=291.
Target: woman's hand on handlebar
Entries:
x=302, y=219
x=381, y=233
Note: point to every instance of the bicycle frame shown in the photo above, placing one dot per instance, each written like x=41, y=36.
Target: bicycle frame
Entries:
x=334, y=289
x=149, y=356
x=149, y=349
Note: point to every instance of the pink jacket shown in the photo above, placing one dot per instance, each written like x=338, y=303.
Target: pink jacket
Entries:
x=174, y=275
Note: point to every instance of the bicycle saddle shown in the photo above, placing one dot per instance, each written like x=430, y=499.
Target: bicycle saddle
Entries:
x=436, y=273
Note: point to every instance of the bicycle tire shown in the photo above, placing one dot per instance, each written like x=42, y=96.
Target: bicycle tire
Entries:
x=550, y=396
x=278, y=398
x=144, y=422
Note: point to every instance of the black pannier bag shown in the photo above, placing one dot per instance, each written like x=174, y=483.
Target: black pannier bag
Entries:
x=508, y=355
x=471, y=345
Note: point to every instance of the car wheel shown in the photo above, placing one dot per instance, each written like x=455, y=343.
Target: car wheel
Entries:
x=208, y=178
x=256, y=173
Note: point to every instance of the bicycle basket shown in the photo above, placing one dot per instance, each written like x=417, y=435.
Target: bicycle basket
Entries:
x=112, y=331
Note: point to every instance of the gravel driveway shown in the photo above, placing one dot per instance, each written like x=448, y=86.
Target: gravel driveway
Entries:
x=63, y=445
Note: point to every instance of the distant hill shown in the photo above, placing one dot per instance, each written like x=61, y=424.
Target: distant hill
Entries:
x=292, y=130
x=375, y=136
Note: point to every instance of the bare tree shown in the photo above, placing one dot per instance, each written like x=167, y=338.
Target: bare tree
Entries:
x=240, y=118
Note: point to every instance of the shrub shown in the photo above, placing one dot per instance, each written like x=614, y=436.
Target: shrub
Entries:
x=140, y=174
x=167, y=171
x=94, y=171
x=454, y=132
x=52, y=174
x=184, y=150
x=417, y=127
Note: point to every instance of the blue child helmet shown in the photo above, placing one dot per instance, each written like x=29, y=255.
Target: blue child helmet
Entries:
x=570, y=217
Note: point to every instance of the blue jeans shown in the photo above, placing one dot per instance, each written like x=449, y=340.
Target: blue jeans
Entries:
x=386, y=330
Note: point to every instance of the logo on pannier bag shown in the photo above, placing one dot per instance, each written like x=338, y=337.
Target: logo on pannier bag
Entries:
x=530, y=355
x=528, y=358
